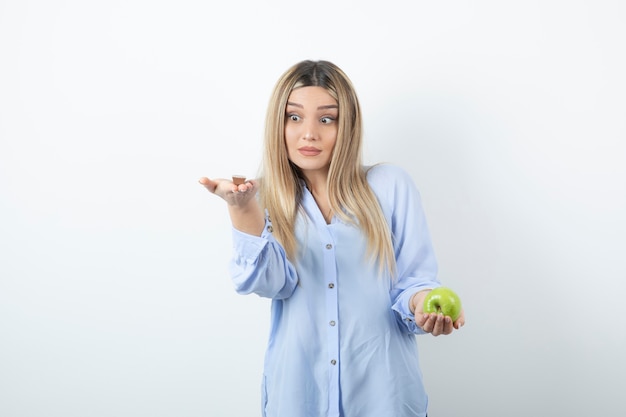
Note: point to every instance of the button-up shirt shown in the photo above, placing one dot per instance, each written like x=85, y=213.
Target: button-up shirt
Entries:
x=342, y=338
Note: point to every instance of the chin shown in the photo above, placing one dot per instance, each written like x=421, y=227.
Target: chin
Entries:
x=309, y=165
x=312, y=167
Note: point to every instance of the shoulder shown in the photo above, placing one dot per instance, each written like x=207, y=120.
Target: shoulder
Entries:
x=394, y=188
x=387, y=176
x=397, y=194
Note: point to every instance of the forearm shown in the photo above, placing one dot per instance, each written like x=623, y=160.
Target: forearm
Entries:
x=260, y=266
x=249, y=219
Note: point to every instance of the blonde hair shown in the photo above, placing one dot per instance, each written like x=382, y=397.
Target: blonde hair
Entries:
x=349, y=193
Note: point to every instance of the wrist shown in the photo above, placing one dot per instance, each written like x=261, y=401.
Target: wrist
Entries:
x=249, y=219
x=414, y=301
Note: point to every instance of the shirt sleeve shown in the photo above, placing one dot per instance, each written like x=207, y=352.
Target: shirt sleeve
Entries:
x=259, y=265
x=416, y=265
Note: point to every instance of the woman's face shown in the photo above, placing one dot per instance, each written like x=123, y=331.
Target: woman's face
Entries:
x=311, y=129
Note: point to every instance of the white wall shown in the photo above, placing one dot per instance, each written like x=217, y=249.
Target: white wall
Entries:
x=114, y=293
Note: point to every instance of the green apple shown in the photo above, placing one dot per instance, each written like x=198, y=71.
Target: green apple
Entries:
x=443, y=300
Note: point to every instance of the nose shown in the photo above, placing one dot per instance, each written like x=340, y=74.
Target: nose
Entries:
x=310, y=131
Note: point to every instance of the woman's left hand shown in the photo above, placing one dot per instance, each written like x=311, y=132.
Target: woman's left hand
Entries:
x=435, y=324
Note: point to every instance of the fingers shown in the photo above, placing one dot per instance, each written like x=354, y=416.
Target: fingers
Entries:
x=235, y=195
x=460, y=322
x=208, y=184
x=221, y=186
x=245, y=186
x=436, y=324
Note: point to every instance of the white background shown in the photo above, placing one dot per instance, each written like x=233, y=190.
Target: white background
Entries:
x=115, y=298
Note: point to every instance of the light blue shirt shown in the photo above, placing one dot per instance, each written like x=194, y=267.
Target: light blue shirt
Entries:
x=341, y=341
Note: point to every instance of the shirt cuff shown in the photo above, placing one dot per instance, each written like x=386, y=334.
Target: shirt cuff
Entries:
x=402, y=307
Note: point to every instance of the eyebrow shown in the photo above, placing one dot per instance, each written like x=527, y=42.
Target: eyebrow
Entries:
x=328, y=106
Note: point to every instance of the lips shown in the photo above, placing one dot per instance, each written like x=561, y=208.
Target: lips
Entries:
x=309, y=151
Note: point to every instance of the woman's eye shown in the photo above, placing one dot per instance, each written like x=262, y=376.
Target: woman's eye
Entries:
x=293, y=117
x=326, y=120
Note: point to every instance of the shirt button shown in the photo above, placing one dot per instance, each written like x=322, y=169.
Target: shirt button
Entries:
x=333, y=362
x=270, y=229
x=331, y=285
x=329, y=246
x=332, y=322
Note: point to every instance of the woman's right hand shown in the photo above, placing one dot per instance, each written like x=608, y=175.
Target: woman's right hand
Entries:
x=235, y=195
x=243, y=207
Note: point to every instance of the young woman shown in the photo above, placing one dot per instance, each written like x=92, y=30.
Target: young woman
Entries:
x=342, y=250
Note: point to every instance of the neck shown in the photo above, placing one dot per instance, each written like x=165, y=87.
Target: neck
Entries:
x=316, y=182
x=318, y=189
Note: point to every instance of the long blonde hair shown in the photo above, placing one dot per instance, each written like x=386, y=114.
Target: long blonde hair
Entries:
x=349, y=193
